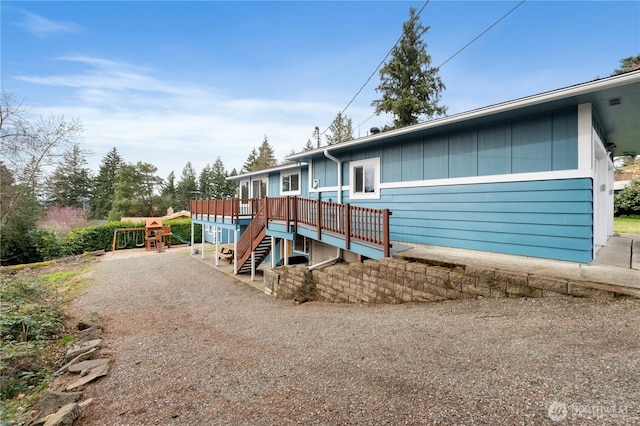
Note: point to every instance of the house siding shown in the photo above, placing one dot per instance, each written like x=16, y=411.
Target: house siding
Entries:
x=548, y=219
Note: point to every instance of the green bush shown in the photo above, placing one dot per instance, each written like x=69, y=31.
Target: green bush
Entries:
x=182, y=228
x=48, y=244
x=100, y=237
x=627, y=202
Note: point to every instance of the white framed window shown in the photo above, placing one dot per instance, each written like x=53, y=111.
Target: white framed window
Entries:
x=365, y=178
x=290, y=183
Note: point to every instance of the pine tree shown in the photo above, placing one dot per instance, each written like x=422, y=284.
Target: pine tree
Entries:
x=308, y=146
x=341, y=130
x=187, y=188
x=409, y=85
x=218, y=180
x=631, y=63
x=103, y=185
x=204, y=183
x=250, y=161
x=266, y=156
x=70, y=183
x=169, y=190
x=135, y=191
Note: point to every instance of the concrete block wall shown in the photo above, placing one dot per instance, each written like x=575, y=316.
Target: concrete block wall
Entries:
x=398, y=281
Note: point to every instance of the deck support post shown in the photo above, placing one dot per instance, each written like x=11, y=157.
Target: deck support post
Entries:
x=192, y=237
x=235, y=251
x=273, y=251
x=253, y=265
x=215, y=229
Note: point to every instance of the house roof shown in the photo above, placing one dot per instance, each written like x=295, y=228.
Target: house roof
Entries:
x=287, y=166
x=616, y=101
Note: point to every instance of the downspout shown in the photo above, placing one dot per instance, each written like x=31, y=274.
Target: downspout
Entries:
x=339, y=163
x=339, y=250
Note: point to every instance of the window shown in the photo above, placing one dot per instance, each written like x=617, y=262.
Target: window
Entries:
x=301, y=244
x=290, y=183
x=259, y=188
x=365, y=178
x=244, y=190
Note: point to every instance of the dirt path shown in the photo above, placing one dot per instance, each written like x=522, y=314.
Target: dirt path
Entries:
x=192, y=346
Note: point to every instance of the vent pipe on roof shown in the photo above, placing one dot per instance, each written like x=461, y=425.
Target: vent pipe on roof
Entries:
x=374, y=130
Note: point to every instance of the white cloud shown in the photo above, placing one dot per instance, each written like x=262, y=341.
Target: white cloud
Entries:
x=43, y=27
x=167, y=123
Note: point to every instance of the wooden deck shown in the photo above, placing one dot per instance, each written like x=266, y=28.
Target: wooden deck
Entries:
x=349, y=222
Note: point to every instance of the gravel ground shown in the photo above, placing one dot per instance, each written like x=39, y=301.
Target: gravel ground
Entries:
x=192, y=346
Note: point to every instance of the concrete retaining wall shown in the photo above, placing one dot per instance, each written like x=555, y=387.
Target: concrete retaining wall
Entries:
x=398, y=281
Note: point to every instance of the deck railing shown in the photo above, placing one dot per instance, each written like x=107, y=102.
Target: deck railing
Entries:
x=350, y=222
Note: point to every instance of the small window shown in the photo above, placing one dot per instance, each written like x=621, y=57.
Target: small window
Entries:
x=365, y=178
x=301, y=244
x=290, y=183
x=244, y=190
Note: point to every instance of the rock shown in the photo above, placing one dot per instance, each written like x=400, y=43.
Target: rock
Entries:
x=84, y=367
x=91, y=320
x=64, y=416
x=91, y=333
x=90, y=375
x=300, y=299
x=77, y=359
x=76, y=350
x=51, y=401
x=85, y=403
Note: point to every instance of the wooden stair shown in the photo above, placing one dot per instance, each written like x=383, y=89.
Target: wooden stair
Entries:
x=254, y=239
x=262, y=249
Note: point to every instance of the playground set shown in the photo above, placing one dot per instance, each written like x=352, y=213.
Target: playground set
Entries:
x=153, y=236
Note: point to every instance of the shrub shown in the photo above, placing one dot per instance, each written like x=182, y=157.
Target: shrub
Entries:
x=182, y=228
x=48, y=244
x=94, y=238
x=627, y=202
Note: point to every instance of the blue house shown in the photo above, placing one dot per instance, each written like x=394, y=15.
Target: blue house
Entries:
x=529, y=177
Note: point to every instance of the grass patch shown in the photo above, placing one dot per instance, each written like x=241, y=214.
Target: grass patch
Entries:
x=626, y=225
x=33, y=334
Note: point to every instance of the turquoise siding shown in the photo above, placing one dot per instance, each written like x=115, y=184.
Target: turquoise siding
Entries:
x=548, y=219
x=274, y=185
x=535, y=144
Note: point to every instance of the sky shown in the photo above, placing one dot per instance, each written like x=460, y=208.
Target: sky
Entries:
x=169, y=83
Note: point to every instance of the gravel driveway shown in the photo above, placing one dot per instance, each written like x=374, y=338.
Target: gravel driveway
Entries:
x=192, y=346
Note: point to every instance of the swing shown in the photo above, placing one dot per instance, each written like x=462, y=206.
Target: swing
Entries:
x=139, y=243
x=123, y=240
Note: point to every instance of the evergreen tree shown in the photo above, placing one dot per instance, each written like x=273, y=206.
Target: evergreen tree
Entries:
x=250, y=161
x=218, y=180
x=169, y=190
x=204, y=183
x=135, y=191
x=631, y=63
x=341, y=130
x=186, y=188
x=409, y=85
x=266, y=156
x=308, y=146
x=70, y=183
x=231, y=187
x=19, y=214
x=103, y=185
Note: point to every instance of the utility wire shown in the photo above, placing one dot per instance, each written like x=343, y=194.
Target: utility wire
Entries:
x=481, y=34
x=437, y=68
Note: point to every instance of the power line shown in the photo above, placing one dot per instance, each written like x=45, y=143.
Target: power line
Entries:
x=437, y=68
x=379, y=65
x=481, y=34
